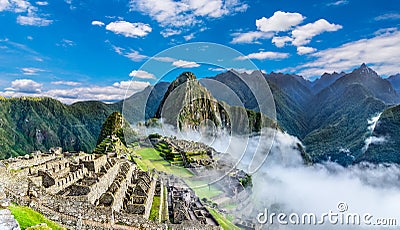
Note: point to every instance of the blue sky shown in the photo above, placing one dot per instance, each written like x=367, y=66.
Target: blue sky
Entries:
x=93, y=50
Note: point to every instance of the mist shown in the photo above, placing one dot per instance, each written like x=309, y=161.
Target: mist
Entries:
x=284, y=183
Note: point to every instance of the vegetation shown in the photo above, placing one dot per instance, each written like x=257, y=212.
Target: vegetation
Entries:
x=202, y=189
x=28, y=124
x=155, y=209
x=388, y=127
x=222, y=221
x=26, y=217
x=149, y=158
x=246, y=181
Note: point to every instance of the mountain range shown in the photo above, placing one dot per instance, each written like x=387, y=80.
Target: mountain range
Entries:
x=330, y=115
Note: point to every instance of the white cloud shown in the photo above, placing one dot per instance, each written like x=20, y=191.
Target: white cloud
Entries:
x=165, y=59
x=263, y=55
x=68, y=83
x=177, y=63
x=98, y=23
x=305, y=50
x=31, y=71
x=32, y=20
x=185, y=64
x=182, y=13
x=66, y=43
x=285, y=22
x=25, y=86
x=302, y=35
x=281, y=41
x=135, y=56
x=189, y=37
x=20, y=6
x=388, y=16
x=32, y=17
x=142, y=74
x=42, y=3
x=250, y=37
x=280, y=21
x=129, y=29
x=338, y=3
x=118, y=50
x=239, y=70
x=4, y=4
x=170, y=32
x=115, y=92
x=381, y=52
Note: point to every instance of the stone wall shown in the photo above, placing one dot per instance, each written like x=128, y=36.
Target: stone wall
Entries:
x=27, y=161
x=97, y=189
x=63, y=182
x=123, y=186
x=49, y=166
x=150, y=195
x=93, y=162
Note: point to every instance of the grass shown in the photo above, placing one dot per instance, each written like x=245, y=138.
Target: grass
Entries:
x=155, y=208
x=222, y=221
x=151, y=159
x=165, y=216
x=230, y=206
x=202, y=190
x=26, y=217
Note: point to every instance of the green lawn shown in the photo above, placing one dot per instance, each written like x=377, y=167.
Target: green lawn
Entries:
x=230, y=206
x=26, y=217
x=202, y=189
x=165, y=216
x=155, y=208
x=222, y=221
x=152, y=159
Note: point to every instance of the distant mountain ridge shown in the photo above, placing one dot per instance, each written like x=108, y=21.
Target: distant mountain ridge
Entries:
x=330, y=115
x=29, y=124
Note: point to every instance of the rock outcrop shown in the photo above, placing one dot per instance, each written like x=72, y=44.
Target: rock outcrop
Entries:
x=188, y=105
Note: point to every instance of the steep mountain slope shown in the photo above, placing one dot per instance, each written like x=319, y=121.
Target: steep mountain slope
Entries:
x=380, y=88
x=324, y=81
x=92, y=114
x=294, y=86
x=144, y=104
x=288, y=113
x=339, y=125
x=395, y=81
x=29, y=124
x=187, y=104
x=114, y=135
x=385, y=138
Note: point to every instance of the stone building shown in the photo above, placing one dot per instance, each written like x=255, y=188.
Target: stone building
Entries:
x=92, y=190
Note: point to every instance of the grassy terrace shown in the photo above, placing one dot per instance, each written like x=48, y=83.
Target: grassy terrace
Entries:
x=152, y=159
x=202, y=189
x=155, y=208
x=26, y=217
x=225, y=224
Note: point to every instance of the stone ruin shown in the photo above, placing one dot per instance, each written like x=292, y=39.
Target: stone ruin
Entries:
x=7, y=221
x=95, y=191
x=184, y=205
x=193, y=154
